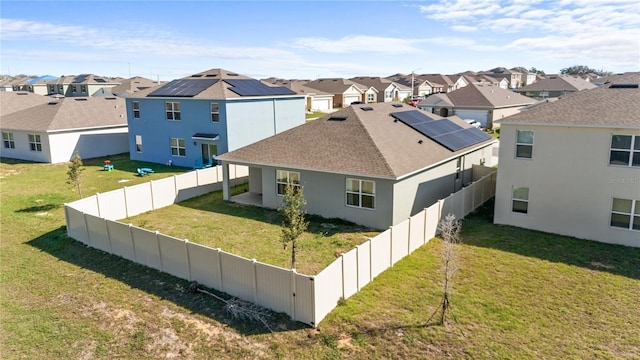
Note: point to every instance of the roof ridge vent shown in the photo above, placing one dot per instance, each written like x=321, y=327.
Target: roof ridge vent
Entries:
x=337, y=118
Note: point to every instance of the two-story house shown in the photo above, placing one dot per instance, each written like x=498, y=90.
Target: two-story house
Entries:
x=387, y=90
x=189, y=121
x=572, y=167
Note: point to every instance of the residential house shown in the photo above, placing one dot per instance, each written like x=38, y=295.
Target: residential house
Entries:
x=386, y=90
x=612, y=79
x=513, y=77
x=131, y=85
x=371, y=164
x=36, y=85
x=450, y=82
x=315, y=100
x=572, y=167
x=189, y=121
x=474, y=78
x=482, y=103
x=344, y=91
x=80, y=85
x=420, y=87
x=527, y=77
x=554, y=85
x=42, y=129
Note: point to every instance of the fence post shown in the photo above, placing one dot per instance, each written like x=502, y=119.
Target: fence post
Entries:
x=86, y=226
x=473, y=194
x=390, y=246
x=98, y=202
x=255, y=282
x=220, y=270
x=126, y=207
x=133, y=242
x=292, y=304
x=153, y=205
x=106, y=227
x=66, y=218
x=342, y=273
x=409, y=238
x=188, y=258
x=159, y=250
x=424, y=233
x=175, y=188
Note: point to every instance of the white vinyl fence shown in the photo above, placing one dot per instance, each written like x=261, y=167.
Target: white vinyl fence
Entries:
x=304, y=298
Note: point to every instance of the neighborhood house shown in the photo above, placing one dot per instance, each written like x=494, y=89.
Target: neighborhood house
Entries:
x=371, y=164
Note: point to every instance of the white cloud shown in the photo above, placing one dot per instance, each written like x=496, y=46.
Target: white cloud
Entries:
x=464, y=28
x=357, y=44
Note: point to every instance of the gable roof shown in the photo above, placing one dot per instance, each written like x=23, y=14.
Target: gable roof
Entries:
x=483, y=96
x=379, y=83
x=296, y=85
x=85, y=79
x=134, y=84
x=68, y=114
x=353, y=141
x=13, y=101
x=335, y=85
x=558, y=83
x=216, y=84
x=606, y=106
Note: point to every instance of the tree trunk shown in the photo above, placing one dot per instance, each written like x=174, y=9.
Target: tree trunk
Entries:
x=293, y=254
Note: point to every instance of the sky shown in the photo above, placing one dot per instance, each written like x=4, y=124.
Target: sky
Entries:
x=166, y=40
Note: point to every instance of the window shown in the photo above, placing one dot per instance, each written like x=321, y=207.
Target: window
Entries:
x=215, y=112
x=73, y=89
x=7, y=139
x=136, y=109
x=83, y=88
x=361, y=193
x=173, y=111
x=625, y=214
x=35, y=143
x=284, y=178
x=177, y=147
x=387, y=94
x=520, y=200
x=625, y=150
x=139, y=143
x=52, y=89
x=458, y=167
x=524, y=144
x=370, y=98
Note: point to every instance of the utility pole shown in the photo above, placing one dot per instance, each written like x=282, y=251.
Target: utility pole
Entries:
x=413, y=80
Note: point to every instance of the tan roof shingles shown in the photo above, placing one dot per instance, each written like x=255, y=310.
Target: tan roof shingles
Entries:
x=366, y=143
x=69, y=113
x=558, y=83
x=601, y=106
x=13, y=101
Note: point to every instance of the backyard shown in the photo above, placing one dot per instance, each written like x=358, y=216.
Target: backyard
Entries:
x=518, y=294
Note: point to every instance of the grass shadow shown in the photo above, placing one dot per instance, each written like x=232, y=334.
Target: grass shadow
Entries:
x=39, y=208
x=151, y=281
x=479, y=230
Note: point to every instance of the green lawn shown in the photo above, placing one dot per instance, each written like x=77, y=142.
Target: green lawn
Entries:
x=519, y=294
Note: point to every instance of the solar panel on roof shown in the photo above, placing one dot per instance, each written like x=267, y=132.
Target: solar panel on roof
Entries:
x=251, y=87
x=183, y=87
x=445, y=132
x=79, y=79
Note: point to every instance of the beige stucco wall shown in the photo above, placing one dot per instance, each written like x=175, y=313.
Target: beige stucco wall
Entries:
x=571, y=184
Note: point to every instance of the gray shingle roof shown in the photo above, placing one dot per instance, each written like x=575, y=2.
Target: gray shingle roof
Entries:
x=601, y=107
x=366, y=143
x=482, y=96
x=334, y=85
x=13, y=101
x=558, y=83
x=219, y=90
x=68, y=113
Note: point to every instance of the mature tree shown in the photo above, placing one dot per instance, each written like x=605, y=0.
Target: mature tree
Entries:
x=582, y=69
x=536, y=71
x=450, y=232
x=74, y=175
x=294, y=223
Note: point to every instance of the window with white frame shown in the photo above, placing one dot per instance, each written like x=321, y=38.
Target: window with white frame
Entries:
x=34, y=142
x=361, y=193
x=52, y=89
x=370, y=98
x=8, y=140
x=136, y=109
x=625, y=150
x=524, y=144
x=284, y=178
x=173, y=110
x=73, y=89
x=520, y=200
x=139, y=143
x=215, y=112
x=387, y=94
x=177, y=147
x=625, y=214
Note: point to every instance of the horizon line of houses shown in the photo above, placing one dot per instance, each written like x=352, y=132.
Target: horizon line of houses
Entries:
x=374, y=159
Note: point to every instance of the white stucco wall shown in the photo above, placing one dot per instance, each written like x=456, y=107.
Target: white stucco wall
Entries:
x=89, y=144
x=23, y=150
x=571, y=184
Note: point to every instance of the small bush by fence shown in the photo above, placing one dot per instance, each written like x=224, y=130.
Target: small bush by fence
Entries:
x=305, y=298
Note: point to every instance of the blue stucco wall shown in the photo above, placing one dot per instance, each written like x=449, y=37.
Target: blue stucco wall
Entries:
x=242, y=122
